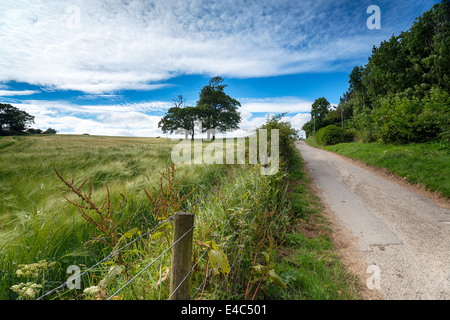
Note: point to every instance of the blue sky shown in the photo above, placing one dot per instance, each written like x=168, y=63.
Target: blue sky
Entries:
x=112, y=67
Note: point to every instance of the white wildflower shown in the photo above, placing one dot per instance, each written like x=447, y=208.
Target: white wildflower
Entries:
x=27, y=290
x=33, y=269
x=92, y=290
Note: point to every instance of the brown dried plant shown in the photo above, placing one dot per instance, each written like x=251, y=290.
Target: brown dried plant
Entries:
x=104, y=221
x=168, y=198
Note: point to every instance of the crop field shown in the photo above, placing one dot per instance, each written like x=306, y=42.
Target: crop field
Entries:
x=37, y=223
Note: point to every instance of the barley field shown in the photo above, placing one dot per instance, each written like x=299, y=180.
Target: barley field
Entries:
x=36, y=221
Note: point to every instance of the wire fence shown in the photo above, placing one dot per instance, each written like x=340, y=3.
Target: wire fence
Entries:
x=199, y=219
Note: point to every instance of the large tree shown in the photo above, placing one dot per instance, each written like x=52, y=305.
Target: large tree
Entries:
x=13, y=120
x=179, y=118
x=319, y=111
x=217, y=110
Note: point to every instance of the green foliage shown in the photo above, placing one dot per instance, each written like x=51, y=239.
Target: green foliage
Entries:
x=400, y=95
x=39, y=131
x=13, y=120
x=217, y=110
x=37, y=223
x=179, y=118
x=408, y=117
x=332, y=135
x=319, y=111
x=287, y=136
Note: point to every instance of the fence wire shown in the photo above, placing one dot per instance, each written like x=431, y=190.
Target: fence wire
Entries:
x=111, y=255
x=173, y=244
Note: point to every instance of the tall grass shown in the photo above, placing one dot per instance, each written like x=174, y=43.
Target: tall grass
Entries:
x=244, y=220
x=36, y=222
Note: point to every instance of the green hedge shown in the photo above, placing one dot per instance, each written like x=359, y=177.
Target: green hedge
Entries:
x=333, y=134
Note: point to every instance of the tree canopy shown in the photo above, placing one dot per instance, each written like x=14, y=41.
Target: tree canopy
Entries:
x=402, y=94
x=179, y=118
x=13, y=120
x=215, y=109
x=319, y=111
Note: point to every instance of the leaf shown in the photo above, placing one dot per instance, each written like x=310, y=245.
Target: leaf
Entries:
x=157, y=235
x=130, y=233
x=165, y=272
x=113, y=272
x=276, y=279
x=266, y=255
x=259, y=269
x=219, y=261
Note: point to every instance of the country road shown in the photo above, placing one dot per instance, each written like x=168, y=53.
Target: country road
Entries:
x=403, y=235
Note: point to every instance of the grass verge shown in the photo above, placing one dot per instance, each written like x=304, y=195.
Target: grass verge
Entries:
x=306, y=257
x=423, y=163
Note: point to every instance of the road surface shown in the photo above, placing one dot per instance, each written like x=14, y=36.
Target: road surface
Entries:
x=404, y=236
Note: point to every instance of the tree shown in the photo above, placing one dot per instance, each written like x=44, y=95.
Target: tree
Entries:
x=179, y=118
x=13, y=120
x=319, y=111
x=428, y=45
x=216, y=109
x=39, y=131
x=50, y=131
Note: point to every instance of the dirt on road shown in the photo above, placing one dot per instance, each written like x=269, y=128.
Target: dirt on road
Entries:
x=396, y=239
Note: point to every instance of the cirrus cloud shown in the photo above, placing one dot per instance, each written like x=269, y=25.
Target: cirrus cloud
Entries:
x=106, y=45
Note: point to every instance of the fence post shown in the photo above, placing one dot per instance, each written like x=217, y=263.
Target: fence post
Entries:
x=181, y=256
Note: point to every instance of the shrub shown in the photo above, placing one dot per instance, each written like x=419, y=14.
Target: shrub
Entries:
x=333, y=134
x=410, y=118
x=287, y=135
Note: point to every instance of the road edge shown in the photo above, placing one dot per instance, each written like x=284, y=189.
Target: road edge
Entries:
x=345, y=243
x=417, y=188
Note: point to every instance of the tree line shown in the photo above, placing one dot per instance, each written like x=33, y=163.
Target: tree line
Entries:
x=402, y=94
x=14, y=121
x=215, y=110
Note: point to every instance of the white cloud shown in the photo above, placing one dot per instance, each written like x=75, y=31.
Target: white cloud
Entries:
x=278, y=105
x=9, y=93
x=116, y=120
x=141, y=119
x=102, y=46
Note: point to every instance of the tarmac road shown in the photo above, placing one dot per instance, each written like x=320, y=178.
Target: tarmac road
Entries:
x=403, y=235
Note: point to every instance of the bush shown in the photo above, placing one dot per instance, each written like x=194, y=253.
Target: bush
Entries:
x=408, y=117
x=333, y=134
x=287, y=136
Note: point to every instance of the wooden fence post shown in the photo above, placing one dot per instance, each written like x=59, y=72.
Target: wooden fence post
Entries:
x=181, y=256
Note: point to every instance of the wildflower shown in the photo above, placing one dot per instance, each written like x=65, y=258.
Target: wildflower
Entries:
x=33, y=269
x=27, y=290
x=92, y=290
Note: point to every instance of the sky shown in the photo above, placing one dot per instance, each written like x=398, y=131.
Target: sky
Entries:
x=113, y=67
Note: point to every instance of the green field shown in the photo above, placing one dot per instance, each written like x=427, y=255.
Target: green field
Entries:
x=424, y=163
x=245, y=217
x=37, y=223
